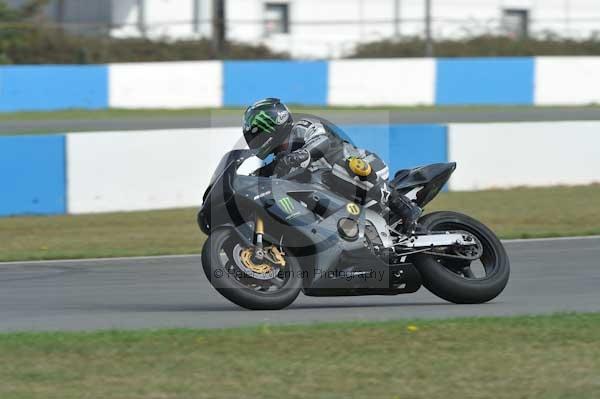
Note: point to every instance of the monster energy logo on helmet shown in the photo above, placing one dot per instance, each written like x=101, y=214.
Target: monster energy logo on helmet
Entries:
x=267, y=124
x=264, y=122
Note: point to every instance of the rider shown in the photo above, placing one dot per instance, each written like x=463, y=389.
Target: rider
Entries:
x=310, y=144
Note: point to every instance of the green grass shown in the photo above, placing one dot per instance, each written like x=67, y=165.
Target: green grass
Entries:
x=105, y=235
x=123, y=115
x=547, y=357
x=82, y=114
x=517, y=213
x=530, y=212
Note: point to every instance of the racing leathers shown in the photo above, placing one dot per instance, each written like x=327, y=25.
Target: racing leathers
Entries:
x=314, y=145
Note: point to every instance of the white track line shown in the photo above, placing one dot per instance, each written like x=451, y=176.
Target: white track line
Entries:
x=136, y=258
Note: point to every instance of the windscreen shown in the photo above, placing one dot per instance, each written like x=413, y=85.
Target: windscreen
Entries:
x=335, y=129
x=228, y=158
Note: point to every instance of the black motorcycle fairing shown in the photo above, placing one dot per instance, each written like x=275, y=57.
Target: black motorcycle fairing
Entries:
x=217, y=197
x=231, y=159
x=235, y=200
x=272, y=196
x=358, y=272
x=431, y=177
x=303, y=218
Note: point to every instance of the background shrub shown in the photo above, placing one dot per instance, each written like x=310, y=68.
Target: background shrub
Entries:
x=480, y=46
x=25, y=38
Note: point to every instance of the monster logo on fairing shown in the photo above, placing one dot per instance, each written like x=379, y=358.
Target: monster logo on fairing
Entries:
x=287, y=205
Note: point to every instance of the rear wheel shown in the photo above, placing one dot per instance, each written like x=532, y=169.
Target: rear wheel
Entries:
x=265, y=285
x=462, y=281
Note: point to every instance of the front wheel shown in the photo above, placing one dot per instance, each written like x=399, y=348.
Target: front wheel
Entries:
x=267, y=285
x=460, y=281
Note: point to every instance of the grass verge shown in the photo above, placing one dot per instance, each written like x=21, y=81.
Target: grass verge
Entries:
x=522, y=357
x=116, y=113
x=516, y=213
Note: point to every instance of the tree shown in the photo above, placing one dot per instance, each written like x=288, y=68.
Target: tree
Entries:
x=31, y=9
x=15, y=25
x=8, y=14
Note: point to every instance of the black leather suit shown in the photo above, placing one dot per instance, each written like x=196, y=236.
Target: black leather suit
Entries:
x=319, y=148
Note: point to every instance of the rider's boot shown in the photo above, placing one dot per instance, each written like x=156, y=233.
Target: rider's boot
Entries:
x=407, y=210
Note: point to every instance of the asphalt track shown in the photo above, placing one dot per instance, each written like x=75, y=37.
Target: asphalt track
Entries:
x=548, y=276
x=444, y=115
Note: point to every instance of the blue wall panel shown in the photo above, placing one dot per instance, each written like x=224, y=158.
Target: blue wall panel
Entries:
x=485, y=81
x=295, y=82
x=45, y=88
x=32, y=175
x=403, y=146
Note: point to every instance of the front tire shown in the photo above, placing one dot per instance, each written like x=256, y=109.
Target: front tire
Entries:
x=220, y=268
x=445, y=279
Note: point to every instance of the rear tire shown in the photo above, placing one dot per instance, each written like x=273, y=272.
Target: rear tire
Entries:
x=448, y=284
x=227, y=282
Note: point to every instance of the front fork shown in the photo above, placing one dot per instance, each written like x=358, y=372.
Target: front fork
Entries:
x=273, y=254
x=259, y=232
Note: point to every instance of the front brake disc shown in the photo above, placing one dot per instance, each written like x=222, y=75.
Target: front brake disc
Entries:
x=243, y=260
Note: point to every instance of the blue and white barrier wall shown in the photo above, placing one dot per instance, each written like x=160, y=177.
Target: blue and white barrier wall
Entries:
x=382, y=82
x=166, y=85
x=143, y=170
x=32, y=175
x=501, y=155
x=127, y=171
x=365, y=82
x=48, y=87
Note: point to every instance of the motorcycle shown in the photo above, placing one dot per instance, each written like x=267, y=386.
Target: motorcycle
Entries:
x=271, y=238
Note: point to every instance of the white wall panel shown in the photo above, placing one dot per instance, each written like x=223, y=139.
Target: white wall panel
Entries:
x=382, y=82
x=567, y=80
x=524, y=154
x=166, y=85
x=143, y=170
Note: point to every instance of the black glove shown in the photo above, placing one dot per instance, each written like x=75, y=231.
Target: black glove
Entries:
x=293, y=160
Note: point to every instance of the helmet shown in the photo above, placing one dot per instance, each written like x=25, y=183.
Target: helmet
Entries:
x=267, y=125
